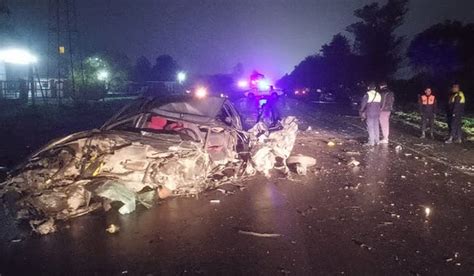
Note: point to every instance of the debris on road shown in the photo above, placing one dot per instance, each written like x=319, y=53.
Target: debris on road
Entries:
x=260, y=235
x=271, y=149
x=362, y=245
x=353, y=163
x=43, y=227
x=307, y=211
x=214, y=201
x=112, y=229
x=453, y=258
x=386, y=223
x=331, y=144
x=118, y=192
x=398, y=148
x=301, y=163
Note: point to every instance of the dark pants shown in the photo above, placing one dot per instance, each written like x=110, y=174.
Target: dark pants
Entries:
x=427, y=121
x=456, y=126
x=373, y=129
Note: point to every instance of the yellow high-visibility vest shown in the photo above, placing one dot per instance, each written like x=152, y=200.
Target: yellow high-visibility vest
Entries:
x=460, y=94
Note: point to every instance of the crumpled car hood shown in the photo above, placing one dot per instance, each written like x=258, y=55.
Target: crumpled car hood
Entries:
x=59, y=180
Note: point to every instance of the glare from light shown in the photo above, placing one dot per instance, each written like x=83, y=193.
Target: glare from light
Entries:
x=17, y=56
x=201, y=92
x=243, y=84
x=181, y=77
x=427, y=211
x=102, y=75
x=263, y=84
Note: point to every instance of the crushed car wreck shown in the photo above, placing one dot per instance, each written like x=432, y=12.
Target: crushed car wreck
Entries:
x=153, y=148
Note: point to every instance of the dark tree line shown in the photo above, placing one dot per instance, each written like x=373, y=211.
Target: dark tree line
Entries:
x=374, y=55
x=444, y=53
x=438, y=56
x=164, y=69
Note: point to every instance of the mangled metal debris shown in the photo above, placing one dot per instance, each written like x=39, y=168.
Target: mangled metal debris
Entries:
x=112, y=229
x=142, y=154
x=301, y=163
x=260, y=235
x=271, y=149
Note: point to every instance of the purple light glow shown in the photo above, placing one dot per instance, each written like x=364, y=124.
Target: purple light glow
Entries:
x=243, y=84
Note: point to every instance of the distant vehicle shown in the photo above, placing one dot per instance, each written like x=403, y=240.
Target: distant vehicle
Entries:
x=259, y=93
x=258, y=87
x=203, y=92
x=302, y=92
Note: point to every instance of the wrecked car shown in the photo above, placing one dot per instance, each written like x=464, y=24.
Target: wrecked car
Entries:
x=151, y=148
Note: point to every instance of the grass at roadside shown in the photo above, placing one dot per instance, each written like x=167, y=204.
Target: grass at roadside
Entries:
x=414, y=119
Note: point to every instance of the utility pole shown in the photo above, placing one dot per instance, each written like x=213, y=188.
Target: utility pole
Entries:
x=63, y=31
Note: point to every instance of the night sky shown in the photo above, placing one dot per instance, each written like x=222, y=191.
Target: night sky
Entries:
x=211, y=36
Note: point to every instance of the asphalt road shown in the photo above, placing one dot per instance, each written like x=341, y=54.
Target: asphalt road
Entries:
x=399, y=212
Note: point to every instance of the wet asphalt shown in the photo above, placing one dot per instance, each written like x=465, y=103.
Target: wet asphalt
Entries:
x=399, y=212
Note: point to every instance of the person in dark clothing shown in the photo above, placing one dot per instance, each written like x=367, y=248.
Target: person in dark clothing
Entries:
x=456, y=105
x=428, y=105
x=370, y=112
x=386, y=109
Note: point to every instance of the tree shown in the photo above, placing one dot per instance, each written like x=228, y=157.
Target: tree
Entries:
x=338, y=47
x=375, y=39
x=443, y=53
x=339, y=62
x=142, y=70
x=308, y=73
x=443, y=49
x=165, y=69
x=101, y=72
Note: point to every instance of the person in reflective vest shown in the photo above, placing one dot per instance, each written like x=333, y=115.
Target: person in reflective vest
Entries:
x=428, y=106
x=370, y=112
x=457, y=101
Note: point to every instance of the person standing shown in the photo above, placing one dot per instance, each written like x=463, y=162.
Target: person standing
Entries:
x=428, y=105
x=456, y=105
x=370, y=112
x=386, y=109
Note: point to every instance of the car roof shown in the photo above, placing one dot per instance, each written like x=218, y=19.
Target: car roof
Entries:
x=203, y=107
x=181, y=107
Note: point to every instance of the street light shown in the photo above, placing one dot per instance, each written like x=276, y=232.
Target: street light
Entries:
x=102, y=75
x=181, y=77
x=17, y=56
